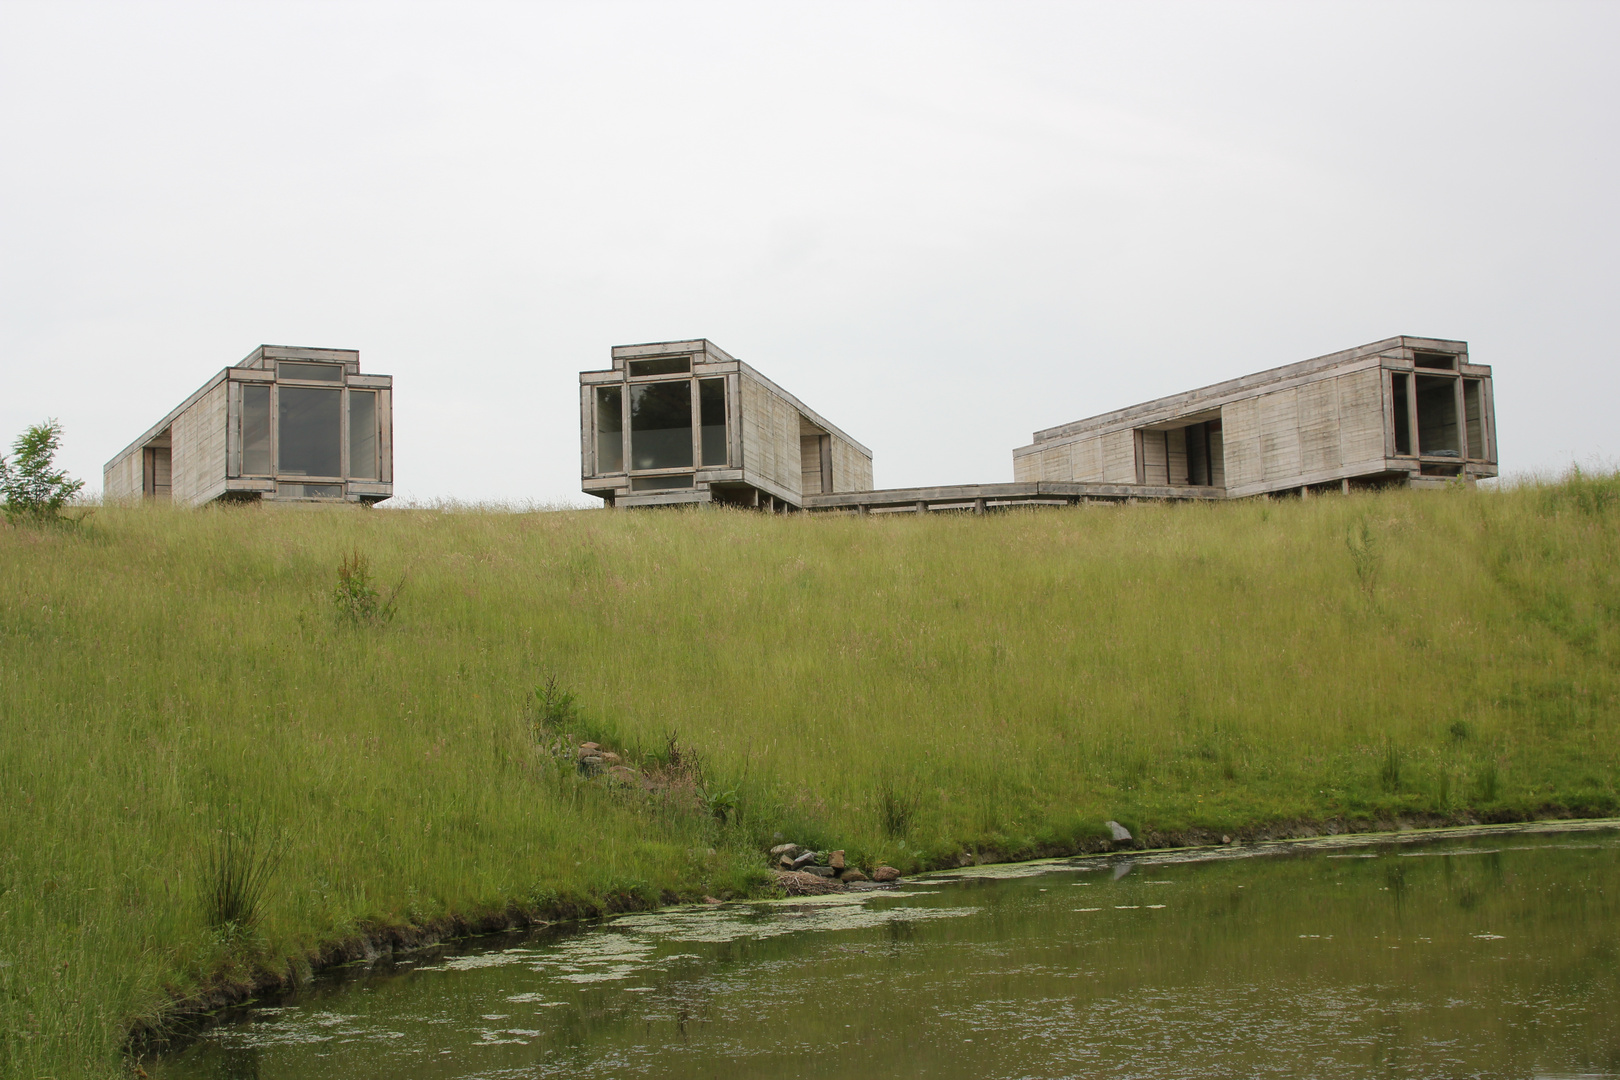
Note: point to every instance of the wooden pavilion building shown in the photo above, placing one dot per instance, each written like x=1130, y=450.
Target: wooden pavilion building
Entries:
x=676, y=422
x=1404, y=410
x=285, y=425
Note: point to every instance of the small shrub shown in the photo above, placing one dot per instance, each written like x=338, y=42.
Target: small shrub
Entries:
x=1366, y=555
x=722, y=805
x=555, y=708
x=33, y=487
x=356, y=598
x=1460, y=731
x=242, y=859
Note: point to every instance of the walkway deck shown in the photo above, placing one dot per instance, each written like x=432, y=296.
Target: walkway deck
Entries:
x=979, y=498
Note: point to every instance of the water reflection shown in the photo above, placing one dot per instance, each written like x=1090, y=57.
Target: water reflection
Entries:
x=1492, y=956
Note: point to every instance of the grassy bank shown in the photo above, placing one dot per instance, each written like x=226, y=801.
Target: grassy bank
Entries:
x=907, y=688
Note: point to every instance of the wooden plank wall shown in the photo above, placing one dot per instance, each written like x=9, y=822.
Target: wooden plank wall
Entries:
x=1155, y=467
x=770, y=436
x=1316, y=428
x=1217, y=456
x=852, y=470
x=121, y=479
x=1361, y=416
x=1119, y=457
x=1240, y=431
x=1176, y=442
x=810, y=465
x=198, y=439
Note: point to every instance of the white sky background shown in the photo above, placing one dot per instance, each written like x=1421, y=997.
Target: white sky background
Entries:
x=940, y=225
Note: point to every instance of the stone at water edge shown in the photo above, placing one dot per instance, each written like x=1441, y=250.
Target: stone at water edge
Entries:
x=1120, y=832
x=584, y=746
x=819, y=871
x=712, y=900
x=804, y=860
x=836, y=860
x=885, y=873
x=852, y=874
x=799, y=883
x=790, y=850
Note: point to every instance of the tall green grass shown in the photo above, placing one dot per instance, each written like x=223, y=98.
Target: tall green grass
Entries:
x=905, y=688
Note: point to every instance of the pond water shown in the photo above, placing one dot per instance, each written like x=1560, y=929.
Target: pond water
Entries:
x=1493, y=954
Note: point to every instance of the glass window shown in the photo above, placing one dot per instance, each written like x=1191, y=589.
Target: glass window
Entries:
x=662, y=365
x=309, y=431
x=661, y=425
x=1437, y=417
x=310, y=372
x=363, y=434
x=1474, y=405
x=1403, y=423
x=609, y=429
x=1435, y=360
x=712, y=410
x=255, y=430
x=659, y=483
x=310, y=491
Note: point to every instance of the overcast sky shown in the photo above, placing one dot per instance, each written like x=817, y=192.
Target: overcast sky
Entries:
x=942, y=226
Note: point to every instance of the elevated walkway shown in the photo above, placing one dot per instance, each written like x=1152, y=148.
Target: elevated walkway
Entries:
x=979, y=498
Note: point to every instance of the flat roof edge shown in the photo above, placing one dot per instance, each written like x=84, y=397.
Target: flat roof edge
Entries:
x=1258, y=378
x=809, y=413
x=168, y=418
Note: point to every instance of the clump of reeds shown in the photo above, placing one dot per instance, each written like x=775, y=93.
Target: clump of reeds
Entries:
x=242, y=859
x=1389, y=767
x=897, y=806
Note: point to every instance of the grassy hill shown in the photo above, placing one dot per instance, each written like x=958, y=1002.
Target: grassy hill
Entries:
x=906, y=688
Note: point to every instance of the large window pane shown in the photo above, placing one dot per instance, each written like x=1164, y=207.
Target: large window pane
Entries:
x=609, y=429
x=661, y=425
x=255, y=430
x=309, y=432
x=712, y=409
x=1437, y=416
x=363, y=434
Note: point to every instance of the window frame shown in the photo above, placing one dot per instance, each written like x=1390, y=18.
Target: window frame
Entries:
x=693, y=380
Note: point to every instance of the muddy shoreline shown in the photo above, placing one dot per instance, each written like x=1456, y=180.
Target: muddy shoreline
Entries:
x=187, y=1016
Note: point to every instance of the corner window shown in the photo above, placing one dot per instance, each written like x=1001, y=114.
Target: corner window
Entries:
x=1474, y=408
x=255, y=429
x=609, y=429
x=712, y=416
x=363, y=434
x=1402, y=413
